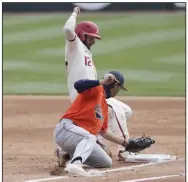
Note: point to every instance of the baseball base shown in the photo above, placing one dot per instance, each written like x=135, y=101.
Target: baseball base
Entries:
x=145, y=158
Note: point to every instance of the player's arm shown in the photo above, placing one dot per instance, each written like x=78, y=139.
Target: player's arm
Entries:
x=69, y=27
x=110, y=136
x=82, y=85
x=85, y=84
x=113, y=138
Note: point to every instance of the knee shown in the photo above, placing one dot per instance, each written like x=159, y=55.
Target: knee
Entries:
x=108, y=163
x=128, y=112
x=105, y=163
x=91, y=138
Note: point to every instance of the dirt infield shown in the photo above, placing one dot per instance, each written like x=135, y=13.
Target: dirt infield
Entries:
x=28, y=123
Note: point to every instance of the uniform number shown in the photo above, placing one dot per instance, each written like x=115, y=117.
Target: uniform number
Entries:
x=88, y=61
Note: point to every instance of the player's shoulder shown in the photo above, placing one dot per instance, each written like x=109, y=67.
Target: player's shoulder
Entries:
x=76, y=45
x=95, y=91
x=99, y=88
x=98, y=91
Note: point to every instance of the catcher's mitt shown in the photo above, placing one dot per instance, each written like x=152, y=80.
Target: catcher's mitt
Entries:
x=139, y=144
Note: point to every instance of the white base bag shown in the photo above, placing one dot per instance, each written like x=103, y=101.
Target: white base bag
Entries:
x=144, y=158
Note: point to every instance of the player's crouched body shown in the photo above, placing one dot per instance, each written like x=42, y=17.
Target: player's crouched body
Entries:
x=85, y=119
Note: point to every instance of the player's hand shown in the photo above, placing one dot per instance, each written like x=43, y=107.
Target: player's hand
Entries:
x=77, y=11
x=108, y=79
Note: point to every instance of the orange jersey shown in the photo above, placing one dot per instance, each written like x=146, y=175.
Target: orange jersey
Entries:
x=89, y=110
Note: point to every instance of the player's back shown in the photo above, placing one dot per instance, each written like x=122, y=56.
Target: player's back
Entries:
x=89, y=110
x=80, y=64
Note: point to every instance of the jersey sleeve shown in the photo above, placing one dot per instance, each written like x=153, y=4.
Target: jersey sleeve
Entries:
x=71, y=38
x=72, y=45
x=69, y=28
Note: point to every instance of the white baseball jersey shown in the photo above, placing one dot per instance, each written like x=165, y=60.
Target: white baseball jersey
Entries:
x=80, y=64
x=117, y=114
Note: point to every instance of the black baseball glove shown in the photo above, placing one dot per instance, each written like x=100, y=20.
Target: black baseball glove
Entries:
x=139, y=144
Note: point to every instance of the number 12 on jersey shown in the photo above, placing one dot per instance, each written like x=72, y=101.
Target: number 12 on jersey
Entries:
x=88, y=61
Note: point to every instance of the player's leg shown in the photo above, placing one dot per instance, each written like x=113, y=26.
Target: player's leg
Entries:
x=75, y=141
x=62, y=156
x=101, y=143
x=99, y=158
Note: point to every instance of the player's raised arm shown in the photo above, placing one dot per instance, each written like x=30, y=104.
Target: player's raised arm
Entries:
x=69, y=27
x=85, y=84
x=82, y=85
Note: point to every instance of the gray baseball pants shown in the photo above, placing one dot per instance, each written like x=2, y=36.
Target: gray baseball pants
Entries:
x=78, y=142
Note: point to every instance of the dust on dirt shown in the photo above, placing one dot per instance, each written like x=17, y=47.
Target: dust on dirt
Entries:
x=28, y=144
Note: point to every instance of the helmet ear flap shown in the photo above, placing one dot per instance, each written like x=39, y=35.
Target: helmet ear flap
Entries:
x=84, y=36
x=81, y=35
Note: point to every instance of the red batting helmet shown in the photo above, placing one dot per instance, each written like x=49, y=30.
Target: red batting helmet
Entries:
x=87, y=28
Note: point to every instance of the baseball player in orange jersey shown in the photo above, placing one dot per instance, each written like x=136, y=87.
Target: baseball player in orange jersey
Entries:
x=84, y=120
x=79, y=65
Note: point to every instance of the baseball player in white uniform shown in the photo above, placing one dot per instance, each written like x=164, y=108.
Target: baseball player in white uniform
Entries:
x=79, y=65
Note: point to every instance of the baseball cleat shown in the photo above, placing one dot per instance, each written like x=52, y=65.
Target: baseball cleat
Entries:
x=62, y=157
x=75, y=170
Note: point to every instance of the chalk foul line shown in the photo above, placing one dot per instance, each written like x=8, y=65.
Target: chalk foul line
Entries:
x=154, y=178
x=108, y=171
x=138, y=166
x=47, y=179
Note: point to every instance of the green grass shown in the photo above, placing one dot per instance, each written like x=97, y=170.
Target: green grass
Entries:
x=149, y=49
